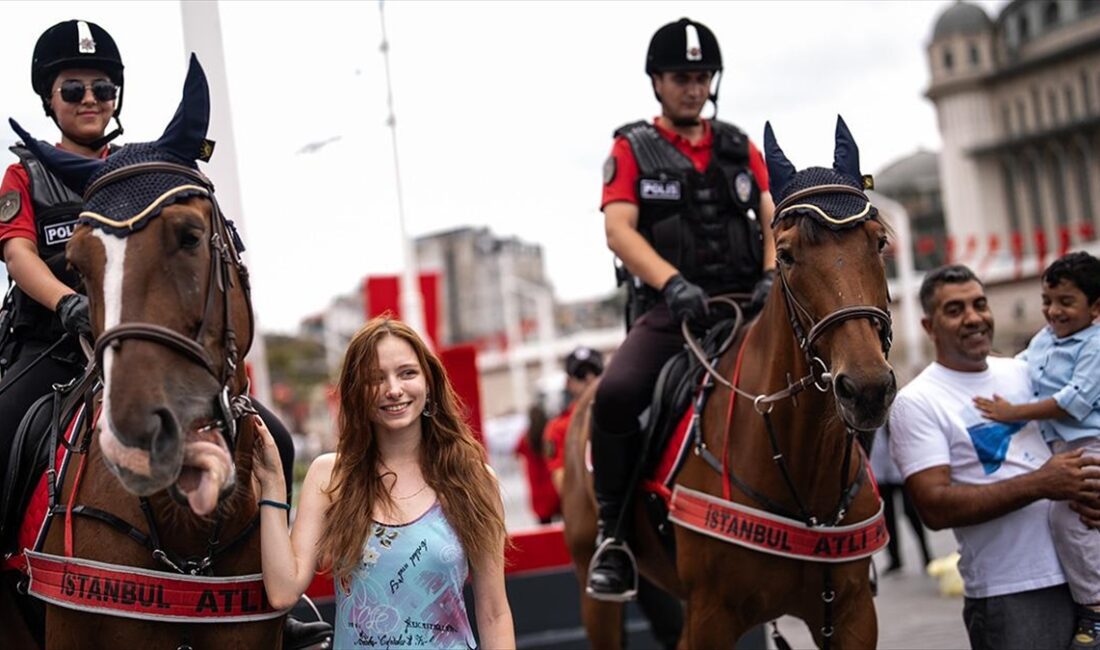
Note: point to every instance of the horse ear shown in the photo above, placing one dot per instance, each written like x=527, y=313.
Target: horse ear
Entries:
x=73, y=170
x=187, y=130
x=780, y=170
x=846, y=156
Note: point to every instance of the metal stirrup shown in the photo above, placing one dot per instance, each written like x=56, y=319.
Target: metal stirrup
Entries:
x=608, y=545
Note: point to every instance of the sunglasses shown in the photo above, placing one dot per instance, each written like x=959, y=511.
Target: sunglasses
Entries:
x=72, y=91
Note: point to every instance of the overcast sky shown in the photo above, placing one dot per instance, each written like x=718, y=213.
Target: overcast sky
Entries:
x=504, y=111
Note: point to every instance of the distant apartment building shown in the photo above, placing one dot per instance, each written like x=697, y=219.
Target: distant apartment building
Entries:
x=483, y=276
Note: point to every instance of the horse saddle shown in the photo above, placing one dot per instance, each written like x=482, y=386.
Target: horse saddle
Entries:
x=29, y=457
x=663, y=423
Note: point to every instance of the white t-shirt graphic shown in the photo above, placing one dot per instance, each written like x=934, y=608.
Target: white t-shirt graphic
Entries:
x=934, y=422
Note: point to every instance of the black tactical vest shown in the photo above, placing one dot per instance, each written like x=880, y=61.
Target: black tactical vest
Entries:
x=705, y=224
x=55, y=211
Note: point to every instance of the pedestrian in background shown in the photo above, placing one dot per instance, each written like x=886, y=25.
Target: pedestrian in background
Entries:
x=545, y=502
x=891, y=485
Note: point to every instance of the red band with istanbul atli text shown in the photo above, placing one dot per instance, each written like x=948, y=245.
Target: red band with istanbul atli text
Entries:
x=114, y=590
x=768, y=533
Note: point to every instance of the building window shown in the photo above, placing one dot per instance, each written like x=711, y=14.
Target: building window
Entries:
x=1085, y=94
x=1010, y=196
x=975, y=55
x=1054, y=164
x=1006, y=119
x=1071, y=103
x=1036, y=107
x=1025, y=28
x=1034, y=198
x=1052, y=107
x=1084, y=187
x=1021, y=115
x=1050, y=14
x=948, y=60
x=1088, y=6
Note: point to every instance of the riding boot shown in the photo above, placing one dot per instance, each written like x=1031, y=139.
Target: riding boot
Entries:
x=613, y=573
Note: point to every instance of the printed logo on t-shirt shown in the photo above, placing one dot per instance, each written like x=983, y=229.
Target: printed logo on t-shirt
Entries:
x=659, y=190
x=991, y=440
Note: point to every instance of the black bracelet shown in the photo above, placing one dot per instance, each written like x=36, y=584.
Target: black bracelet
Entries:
x=275, y=504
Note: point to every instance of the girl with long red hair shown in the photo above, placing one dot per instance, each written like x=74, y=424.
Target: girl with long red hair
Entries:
x=402, y=512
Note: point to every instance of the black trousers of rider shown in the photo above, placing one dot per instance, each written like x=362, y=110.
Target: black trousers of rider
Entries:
x=18, y=390
x=626, y=386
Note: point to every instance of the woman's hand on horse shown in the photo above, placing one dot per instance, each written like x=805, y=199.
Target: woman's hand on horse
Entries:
x=267, y=467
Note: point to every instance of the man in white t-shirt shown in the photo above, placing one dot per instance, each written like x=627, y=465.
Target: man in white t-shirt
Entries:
x=987, y=480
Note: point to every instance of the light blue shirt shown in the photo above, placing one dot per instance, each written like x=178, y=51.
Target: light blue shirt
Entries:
x=1067, y=369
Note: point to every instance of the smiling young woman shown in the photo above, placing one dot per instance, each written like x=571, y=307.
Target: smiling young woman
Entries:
x=402, y=512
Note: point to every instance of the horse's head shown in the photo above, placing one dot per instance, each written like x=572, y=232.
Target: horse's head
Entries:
x=170, y=307
x=829, y=242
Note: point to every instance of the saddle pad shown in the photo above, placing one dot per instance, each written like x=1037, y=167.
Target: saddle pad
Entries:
x=672, y=457
x=35, y=515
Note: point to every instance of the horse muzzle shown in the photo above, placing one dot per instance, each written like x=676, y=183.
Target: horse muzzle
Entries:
x=863, y=401
x=197, y=467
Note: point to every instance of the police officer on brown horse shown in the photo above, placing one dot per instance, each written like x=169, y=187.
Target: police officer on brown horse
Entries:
x=687, y=211
x=77, y=72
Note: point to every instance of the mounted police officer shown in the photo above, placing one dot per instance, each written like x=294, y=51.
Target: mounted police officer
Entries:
x=687, y=210
x=77, y=71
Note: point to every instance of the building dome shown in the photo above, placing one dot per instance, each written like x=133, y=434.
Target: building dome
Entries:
x=961, y=18
x=918, y=172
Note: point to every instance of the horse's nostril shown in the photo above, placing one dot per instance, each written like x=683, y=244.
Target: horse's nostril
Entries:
x=165, y=438
x=845, y=387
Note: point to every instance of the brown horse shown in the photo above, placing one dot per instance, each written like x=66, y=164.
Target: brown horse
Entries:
x=826, y=323
x=171, y=460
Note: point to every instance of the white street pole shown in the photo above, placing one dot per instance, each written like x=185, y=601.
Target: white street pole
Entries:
x=412, y=304
x=907, y=282
x=202, y=34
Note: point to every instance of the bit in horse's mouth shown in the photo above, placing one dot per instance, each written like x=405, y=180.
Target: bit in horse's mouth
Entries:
x=207, y=470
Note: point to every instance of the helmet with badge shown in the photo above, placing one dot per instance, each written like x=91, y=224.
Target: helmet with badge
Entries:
x=75, y=44
x=684, y=45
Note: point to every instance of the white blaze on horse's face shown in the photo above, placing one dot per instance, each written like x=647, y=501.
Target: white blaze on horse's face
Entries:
x=114, y=249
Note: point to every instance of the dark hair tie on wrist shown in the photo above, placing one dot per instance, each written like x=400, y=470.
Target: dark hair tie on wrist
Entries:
x=275, y=504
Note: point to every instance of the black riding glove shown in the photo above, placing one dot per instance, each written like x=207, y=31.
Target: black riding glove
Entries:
x=761, y=290
x=685, y=300
x=72, y=311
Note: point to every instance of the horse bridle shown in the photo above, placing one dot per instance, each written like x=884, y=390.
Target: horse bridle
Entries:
x=223, y=253
x=820, y=375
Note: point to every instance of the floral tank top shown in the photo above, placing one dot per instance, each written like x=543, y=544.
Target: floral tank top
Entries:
x=407, y=591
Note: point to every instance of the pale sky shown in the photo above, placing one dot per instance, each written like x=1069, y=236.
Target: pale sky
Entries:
x=504, y=110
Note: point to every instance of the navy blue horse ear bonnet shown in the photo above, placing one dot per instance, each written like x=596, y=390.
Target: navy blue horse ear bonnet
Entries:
x=123, y=207
x=833, y=197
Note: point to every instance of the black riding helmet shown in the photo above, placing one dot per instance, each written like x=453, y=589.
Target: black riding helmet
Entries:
x=685, y=45
x=582, y=361
x=76, y=44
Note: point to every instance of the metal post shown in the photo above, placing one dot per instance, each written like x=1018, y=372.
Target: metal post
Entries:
x=412, y=303
x=202, y=34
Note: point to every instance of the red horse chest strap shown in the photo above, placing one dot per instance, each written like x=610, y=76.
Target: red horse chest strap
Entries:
x=768, y=533
x=114, y=590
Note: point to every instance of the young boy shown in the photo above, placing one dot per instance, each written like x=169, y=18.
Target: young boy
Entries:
x=1063, y=362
